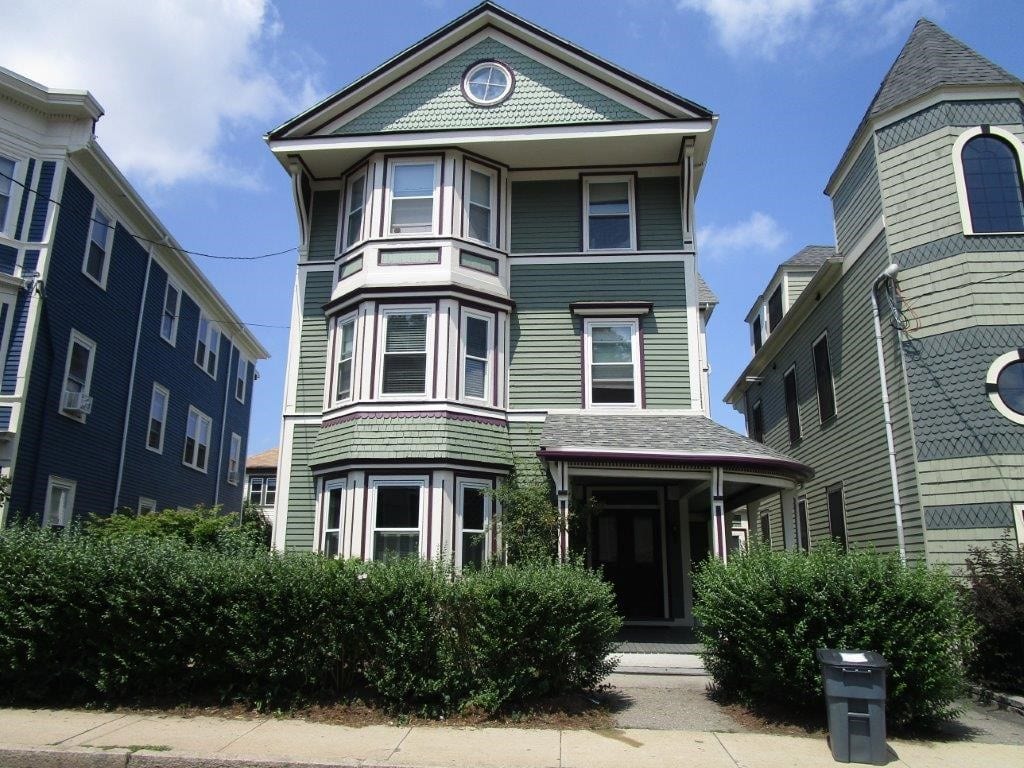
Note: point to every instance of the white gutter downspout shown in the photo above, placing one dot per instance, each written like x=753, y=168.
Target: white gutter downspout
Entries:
x=888, y=274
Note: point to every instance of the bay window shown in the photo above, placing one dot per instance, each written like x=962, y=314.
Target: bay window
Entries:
x=397, y=516
x=476, y=348
x=480, y=202
x=412, y=196
x=344, y=355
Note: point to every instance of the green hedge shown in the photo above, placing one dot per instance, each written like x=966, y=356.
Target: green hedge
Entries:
x=108, y=620
x=765, y=614
x=996, y=600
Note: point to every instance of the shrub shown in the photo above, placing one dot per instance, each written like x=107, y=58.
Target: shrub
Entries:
x=996, y=600
x=528, y=519
x=111, y=619
x=203, y=527
x=765, y=614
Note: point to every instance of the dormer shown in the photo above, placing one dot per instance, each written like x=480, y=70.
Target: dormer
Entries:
x=783, y=290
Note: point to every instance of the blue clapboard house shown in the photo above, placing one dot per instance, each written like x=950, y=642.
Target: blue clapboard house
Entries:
x=126, y=378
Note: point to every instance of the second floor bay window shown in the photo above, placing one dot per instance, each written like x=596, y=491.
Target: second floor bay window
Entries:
x=481, y=207
x=405, y=361
x=354, y=210
x=612, y=363
x=412, y=194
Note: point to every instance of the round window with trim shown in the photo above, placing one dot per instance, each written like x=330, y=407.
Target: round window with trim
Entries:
x=487, y=83
x=1005, y=385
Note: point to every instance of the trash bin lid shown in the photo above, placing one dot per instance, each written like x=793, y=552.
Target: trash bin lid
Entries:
x=863, y=659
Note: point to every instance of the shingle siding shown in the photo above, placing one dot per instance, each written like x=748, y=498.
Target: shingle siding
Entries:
x=857, y=202
x=964, y=114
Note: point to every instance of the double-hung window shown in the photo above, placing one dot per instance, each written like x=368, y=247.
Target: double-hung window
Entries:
x=270, y=491
x=612, y=362
x=344, y=356
x=480, y=198
x=474, y=520
x=75, y=401
x=234, y=457
x=241, y=378
x=412, y=196
x=354, y=207
x=157, y=419
x=397, y=516
x=97, y=251
x=823, y=380
x=476, y=373
x=333, y=518
x=792, y=404
x=207, y=345
x=197, y=439
x=7, y=166
x=256, y=491
x=169, y=318
x=405, y=358
x=60, y=502
x=609, y=223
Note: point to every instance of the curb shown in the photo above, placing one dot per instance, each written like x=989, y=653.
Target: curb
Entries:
x=90, y=757
x=58, y=757
x=1015, y=703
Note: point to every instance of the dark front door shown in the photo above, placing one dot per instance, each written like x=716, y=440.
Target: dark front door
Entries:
x=627, y=548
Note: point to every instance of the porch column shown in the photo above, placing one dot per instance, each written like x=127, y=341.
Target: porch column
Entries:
x=718, y=532
x=560, y=474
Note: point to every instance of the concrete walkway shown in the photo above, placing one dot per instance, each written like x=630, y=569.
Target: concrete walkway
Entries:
x=44, y=738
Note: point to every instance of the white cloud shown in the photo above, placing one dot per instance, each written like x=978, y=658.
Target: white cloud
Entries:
x=175, y=77
x=759, y=233
x=764, y=27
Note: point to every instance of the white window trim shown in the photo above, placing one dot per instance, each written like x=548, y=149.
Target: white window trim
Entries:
x=321, y=521
x=832, y=377
x=200, y=416
x=961, y=183
x=587, y=181
x=332, y=375
x=402, y=309
x=235, y=457
x=489, y=371
x=85, y=341
x=493, y=202
x=10, y=301
x=212, y=331
x=353, y=178
x=588, y=355
x=460, y=486
x=14, y=201
x=107, y=246
x=248, y=489
x=242, y=377
x=436, y=197
x=146, y=505
x=381, y=482
x=267, y=480
x=163, y=419
x=173, y=338
x=66, y=485
x=992, y=381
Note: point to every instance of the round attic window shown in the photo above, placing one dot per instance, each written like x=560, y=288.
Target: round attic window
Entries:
x=1005, y=385
x=487, y=83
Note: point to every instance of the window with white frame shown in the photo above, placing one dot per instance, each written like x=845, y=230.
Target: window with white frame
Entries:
x=476, y=351
x=234, y=456
x=241, y=378
x=269, y=491
x=75, y=401
x=612, y=362
x=256, y=491
x=207, y=345
x=7, y=167
x=992, y=181
x=60, y=502
x=169, y=317
x=405, y=357
x=412, y=196
x=97, y=251
x=197, y=439
x=1005, y=385
x=397, y=516
x=7, y=303
x=480, y=201
x=609, y=223
x=157, y=418
x=354, y=207
x=344, y=355
x=473, y=518
x=146, y=506
x=333, y=517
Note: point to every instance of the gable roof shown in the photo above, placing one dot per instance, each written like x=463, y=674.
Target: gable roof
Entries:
x=488, y=15
x=265, y=460
x=930, y=59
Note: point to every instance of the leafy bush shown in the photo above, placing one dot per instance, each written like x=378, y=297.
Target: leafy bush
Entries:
x=996, y=600
x=765, y=614
x=108, y=619
x=528, y=519
x=203, y=527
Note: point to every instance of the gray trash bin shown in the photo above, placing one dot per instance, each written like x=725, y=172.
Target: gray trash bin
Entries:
x=855, y=698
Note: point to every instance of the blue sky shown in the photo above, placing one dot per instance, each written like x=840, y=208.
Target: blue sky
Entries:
x=190, y=87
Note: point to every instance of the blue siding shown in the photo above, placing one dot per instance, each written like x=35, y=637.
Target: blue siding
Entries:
x=9, y=381
x=5, y=417
x=8, y=258
x=29, y=171
x=42, y=206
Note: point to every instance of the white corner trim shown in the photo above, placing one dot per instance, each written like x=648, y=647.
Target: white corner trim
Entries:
x=693, y=337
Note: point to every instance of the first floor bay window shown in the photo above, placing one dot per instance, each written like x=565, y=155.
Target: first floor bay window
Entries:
x=397, y=519
x=474, y=518
x=404, y=364
x=612, y=362
x=330, y=543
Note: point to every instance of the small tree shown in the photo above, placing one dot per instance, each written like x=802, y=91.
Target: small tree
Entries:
x=996, y=599
x=528, y=519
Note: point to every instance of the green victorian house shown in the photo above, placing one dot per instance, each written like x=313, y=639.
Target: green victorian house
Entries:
x=497, y=267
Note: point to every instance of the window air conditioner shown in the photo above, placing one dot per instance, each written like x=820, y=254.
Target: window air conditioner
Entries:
x=77, y=402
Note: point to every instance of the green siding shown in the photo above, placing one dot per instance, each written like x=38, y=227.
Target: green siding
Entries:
x=858, y=429
x=659, y=214
x=426, y=438
x=323, y=231
x=309, y=394
x=546, y=216
x=545, y=370
x=541, y=96
x=301, y=490
x=524, y=437
x=797, y=282
x=857, y=202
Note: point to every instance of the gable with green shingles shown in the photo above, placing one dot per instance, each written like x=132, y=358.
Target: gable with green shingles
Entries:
x=542, y=96
x=427, y=438
x=309, y=394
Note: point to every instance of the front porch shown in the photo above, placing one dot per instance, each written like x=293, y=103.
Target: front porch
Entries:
x=673, y=640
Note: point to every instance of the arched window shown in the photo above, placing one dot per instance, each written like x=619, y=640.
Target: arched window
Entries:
x=993, y=183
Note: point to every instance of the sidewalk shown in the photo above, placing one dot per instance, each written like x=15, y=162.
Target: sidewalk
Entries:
x=44, y=738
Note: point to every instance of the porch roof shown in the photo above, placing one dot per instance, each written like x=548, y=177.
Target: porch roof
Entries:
x=659, y=438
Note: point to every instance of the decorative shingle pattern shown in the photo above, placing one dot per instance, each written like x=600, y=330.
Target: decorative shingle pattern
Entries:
x=953, y=415
x=954, y=245
x=960, y=114
x=810, y=256
x=541, y=96
x=961, y=516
